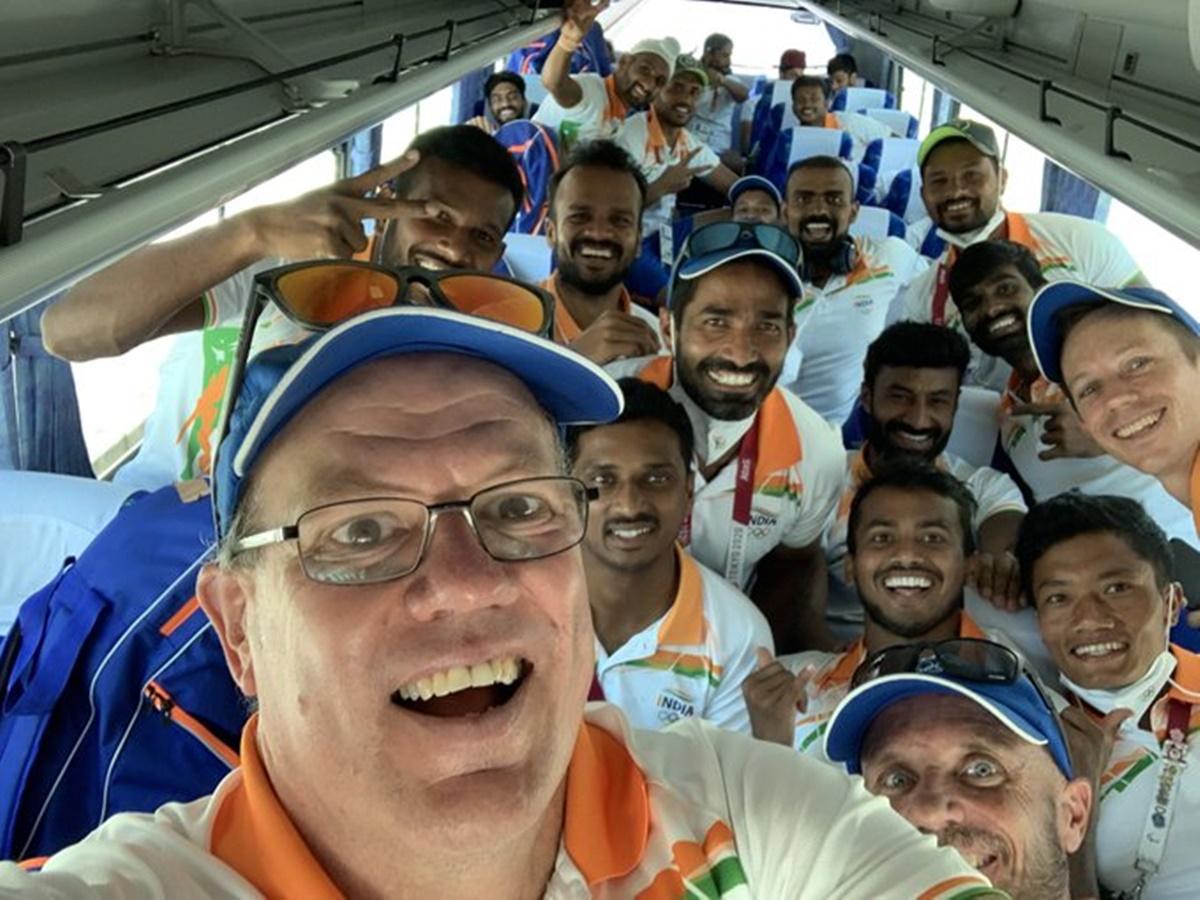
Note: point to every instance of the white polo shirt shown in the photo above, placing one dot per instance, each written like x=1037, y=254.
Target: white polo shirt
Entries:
x=642, y=137
x=794, y=486
x=596, y=116
x=692, y=661
x=837, y=322
x=693, y=811
x=1128, y=787
x=994, y=493
x=713, y=121
x=1065, y=247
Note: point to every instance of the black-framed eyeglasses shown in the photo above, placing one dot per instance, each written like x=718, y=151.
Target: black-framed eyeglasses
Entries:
x=366, y=541
x=320, y=294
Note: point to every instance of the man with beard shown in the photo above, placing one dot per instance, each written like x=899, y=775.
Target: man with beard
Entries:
x=961, y=183
x=667, y=152
x=909, y=540
x=993, y=285
x=504, y=96
x=714, y=113
x=769, y=469
x=445, y=204
x=810, y=106
x=585, y=106
x=674, y=640
x=594, y=226
x=849, y=285
x=966, y=746
x=910, y=390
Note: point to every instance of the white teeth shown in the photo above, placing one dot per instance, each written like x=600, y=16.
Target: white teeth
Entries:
x=817, y=231
x=630, y=533
x=957, y=205
x=1099, y=649
x=731, y=379
x=907, y=582
x=1004, y=322
x=427, y=262
x=596, y=252
x=1139, y=426
x=458, y=678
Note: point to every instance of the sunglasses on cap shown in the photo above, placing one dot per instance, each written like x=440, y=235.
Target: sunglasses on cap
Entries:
x=321, y=294
x=722, y=236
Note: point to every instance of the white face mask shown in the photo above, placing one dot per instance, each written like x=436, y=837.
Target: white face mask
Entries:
x=962, y=241
x=1138, y=696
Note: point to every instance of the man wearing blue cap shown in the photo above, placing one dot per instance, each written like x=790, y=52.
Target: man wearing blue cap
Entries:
x=399, y=590
x=1129, y=360
x=755, y=199
x=965, y=745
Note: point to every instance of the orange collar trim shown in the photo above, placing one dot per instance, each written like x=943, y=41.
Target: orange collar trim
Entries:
x=656, y=139
x=1195, y=490
x=566, y=329
x=616, y=110
x=684, y=623
x=1187, y=673
x=831, y=121
x=606, y=825
x=253, y=835
x=856, y=654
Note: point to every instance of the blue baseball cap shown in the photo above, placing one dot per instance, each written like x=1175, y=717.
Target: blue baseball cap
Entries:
x=280, y=381
x=1045, y=329
x=721, y=243
x=755, y=183
x=1018, y=706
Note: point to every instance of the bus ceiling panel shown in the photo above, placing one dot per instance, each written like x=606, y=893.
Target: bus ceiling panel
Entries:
x=80, y=237
x=1118, y=102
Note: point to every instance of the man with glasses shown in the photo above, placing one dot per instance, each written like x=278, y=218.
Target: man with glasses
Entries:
x=445, y=204
x=673, y=639
x=397, y=587
x=966, y=746
x=768, y=468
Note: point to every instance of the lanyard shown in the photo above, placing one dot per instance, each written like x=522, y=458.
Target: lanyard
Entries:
x=1171, y=766
x=743, y=495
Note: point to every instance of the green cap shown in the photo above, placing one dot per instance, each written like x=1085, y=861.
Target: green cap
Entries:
x=980, y=136
x=689, y=65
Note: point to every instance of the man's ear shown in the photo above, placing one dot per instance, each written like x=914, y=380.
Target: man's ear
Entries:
x=1003, y=179
x=551, y=231
x=864, y=398
x=664, y=325
x=223, y=595
x=854, y=208
x=1176, y=602
x=1074, y=813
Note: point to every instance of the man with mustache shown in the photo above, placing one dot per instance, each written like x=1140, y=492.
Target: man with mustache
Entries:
x=768, y=468
x=810, y=106
x=504, y=98
x=966, y=746
x=909, y=540
x=674, y=640
x=961, y=183
x=993, y=285
x=849, y=285
x=445, y=204
x=586, y=106
x=714, y=113
x=594, y=226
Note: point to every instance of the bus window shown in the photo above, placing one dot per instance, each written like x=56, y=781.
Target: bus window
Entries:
x=1168, y=262
x=914, y=91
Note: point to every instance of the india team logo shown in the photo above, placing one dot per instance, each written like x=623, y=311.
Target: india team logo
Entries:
x=674, y=705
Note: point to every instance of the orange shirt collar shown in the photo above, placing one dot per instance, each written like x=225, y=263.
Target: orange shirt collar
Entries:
x=1195, y=490
x=856, y=654
x=683, y=625
x=1187, y=674
x=616, y=110
x=566, y=329
x=656, y=139
x=253, y=835
x=831, y=121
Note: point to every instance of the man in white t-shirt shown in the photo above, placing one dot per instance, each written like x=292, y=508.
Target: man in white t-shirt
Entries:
x=849, y=285
x=768, y=468
x=674, y=640
x=810, y=106
x=714, y=113
x=961, y=183
x=585, y=106
x=445, y=204
x=669, y=154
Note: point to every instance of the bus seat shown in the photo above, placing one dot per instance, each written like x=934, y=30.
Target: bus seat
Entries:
x=534, y=150
x=858, y=99
x=527, y=257
x=900, y=191
x=903, y=124
x=976, y=426
x=923, y=237
x=795, y=144
x=892, y=154
x=876, y=222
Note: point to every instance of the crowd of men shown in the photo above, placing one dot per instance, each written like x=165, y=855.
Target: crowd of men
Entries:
x=749, y=511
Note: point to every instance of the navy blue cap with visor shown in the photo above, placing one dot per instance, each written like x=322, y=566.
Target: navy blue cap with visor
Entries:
x=280, y=381
x=721, y=243
x=1045, y=324
x=755, y=183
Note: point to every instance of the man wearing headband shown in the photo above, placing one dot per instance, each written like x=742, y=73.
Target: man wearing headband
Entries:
x=769, y=469
x=445, y=204
x=585, y=106
x=1136, y=396
x=849, y=285
x=965, y=745
x=1098, y=570
x=961, y=183
x=755, y=199
x=399, y=590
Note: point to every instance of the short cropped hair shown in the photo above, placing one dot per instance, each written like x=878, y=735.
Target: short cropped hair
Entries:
x=821, y=162
x=917, y=345
x=1073, y=514
x=843, y=62
x=470, y=148
x=716, y=41
x=599, y=155
x=808, y=81
x=979, y=262
x=499, y=78
x=644, y=402
x=912, y=475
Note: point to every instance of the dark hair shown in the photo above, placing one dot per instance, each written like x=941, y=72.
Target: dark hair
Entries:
x=919, y=345
x=599, y=155
x=808, y=81
x=498, y=78
x=979, y=262
x=911, y=475
x=716, y=40
x=1075, y=513
x=644, y=402
x=819, y=162
x=843, y=62
x=681, y=291
x=469, y=148
x=1071, y=316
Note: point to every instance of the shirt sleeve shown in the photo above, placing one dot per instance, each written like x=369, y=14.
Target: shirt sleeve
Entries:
x=994, y=493
x=1099, y=255
x=706, y=160
x=226, y=303
x=821, y=473
x=727, y=709
x=914, y=301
